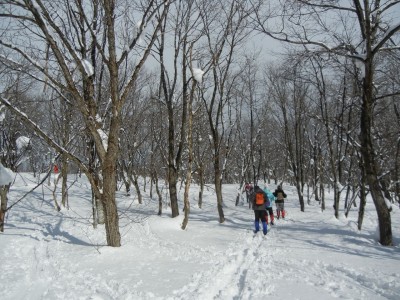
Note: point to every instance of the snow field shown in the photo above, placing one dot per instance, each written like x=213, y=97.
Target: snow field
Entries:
x=308, y=255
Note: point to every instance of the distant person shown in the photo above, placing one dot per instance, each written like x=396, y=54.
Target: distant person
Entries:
x=248, y=188
x=258, y=199
x=268, y=205
x=280, y=201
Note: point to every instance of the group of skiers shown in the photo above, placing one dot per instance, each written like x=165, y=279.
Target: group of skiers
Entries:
x=261, y=202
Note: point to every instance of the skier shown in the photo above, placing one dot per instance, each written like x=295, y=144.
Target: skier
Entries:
x=248, y=188
x=280, y=201
x=258, y=200
x=269, y=208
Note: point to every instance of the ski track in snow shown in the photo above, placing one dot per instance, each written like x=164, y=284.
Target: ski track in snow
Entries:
x=228, y=278
x=300, y=255
x=251, y=267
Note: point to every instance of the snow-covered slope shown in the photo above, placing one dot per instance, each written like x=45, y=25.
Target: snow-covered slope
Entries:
x=309, y=255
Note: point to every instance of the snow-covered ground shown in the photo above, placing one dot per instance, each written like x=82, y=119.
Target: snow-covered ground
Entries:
x=309, y=255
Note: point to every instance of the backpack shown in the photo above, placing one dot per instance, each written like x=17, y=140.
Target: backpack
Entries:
x=260, y=200
x=280, y=195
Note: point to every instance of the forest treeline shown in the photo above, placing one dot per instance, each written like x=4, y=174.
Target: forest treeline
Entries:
x=177, y=91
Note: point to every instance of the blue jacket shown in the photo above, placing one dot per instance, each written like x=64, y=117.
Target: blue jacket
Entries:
x=270, y=195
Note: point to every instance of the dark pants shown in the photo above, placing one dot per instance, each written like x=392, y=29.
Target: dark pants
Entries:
x=270, y=211
x=259, y=215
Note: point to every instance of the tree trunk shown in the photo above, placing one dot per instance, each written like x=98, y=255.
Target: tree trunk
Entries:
x=109, y=202
x=123, y=175
x=300, y=194
x=134, y=180
x=218, y=190
x=97, y=205
x=321, y=188
x=56, y=179
x=336, y=197
x=201, y=187
x=144, y=183
x=368, y=154
x=3, y=207
x=172, y=182
x=64, y=187
x=362, y=198
x=239, y=194
x=346, y=200
x=151, y=188
x=155, y=178
x=186, y=200
x=397, y=171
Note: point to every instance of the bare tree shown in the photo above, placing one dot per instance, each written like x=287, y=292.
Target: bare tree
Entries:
x=201, y=150
x=174, y=86
x=224, y=31
x=78, y=64
x=289, y=93
x=309, y=23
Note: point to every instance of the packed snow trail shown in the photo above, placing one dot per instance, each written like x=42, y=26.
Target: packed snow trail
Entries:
x=291, y=263
x=241, y=265
x=52, y=255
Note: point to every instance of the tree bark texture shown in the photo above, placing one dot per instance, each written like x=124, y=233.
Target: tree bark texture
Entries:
x=3, y=205
x=367, y=151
